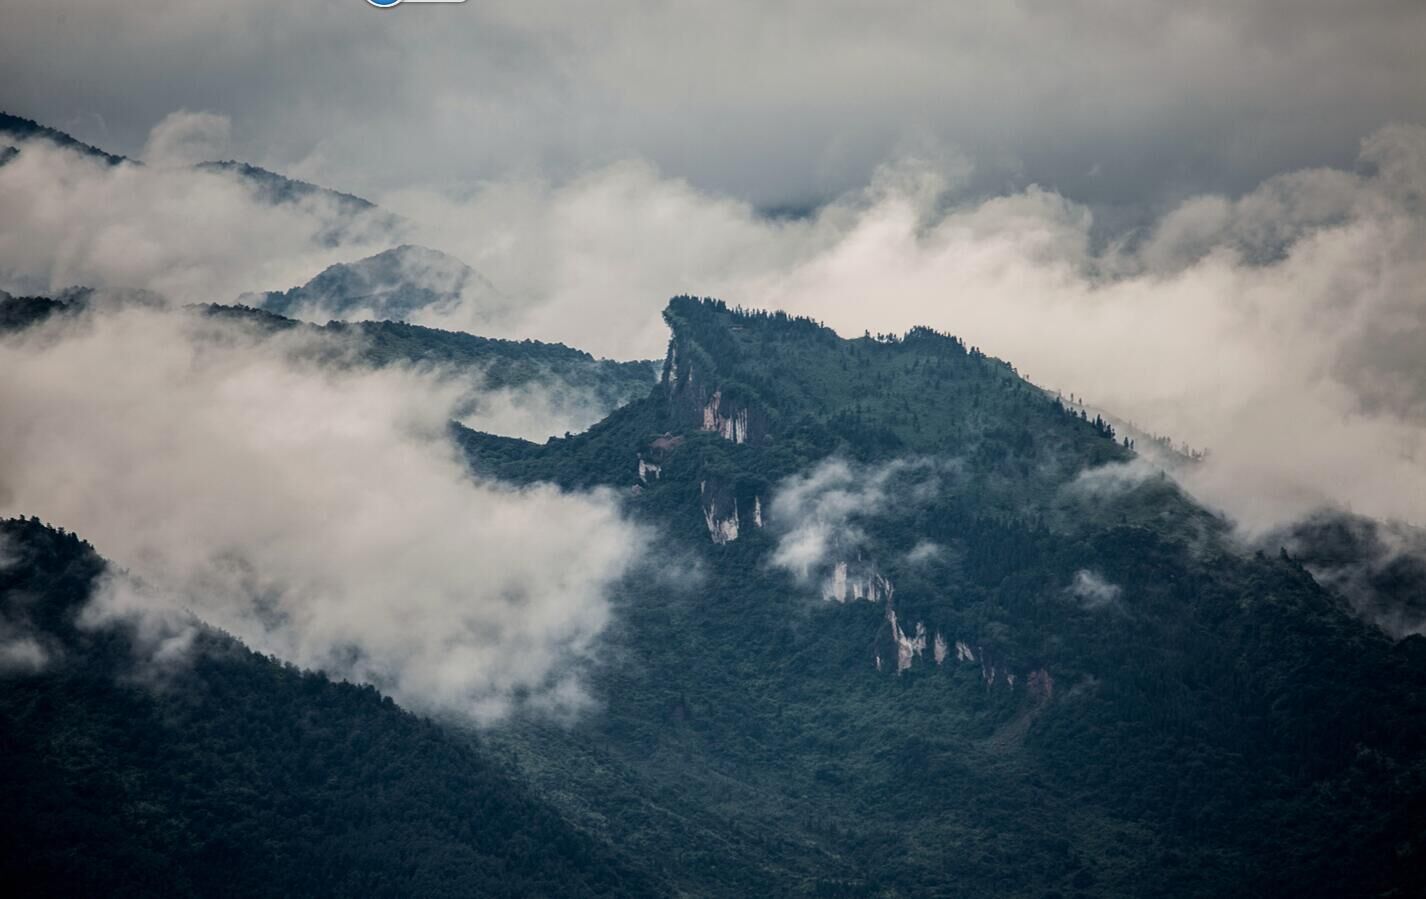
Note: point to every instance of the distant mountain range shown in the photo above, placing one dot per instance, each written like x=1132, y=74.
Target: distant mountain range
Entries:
x=392, y=285
x=19, y=129
x=489, y=364
x=267, y=186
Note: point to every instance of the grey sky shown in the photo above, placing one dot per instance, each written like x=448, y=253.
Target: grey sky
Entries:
x=1107, y=101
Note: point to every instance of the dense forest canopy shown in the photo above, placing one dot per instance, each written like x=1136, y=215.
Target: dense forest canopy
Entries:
x=910, y=623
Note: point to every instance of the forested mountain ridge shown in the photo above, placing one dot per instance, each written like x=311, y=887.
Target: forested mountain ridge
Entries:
x=275, y=188
x=18, y=128
x=267, y=186
x=1015, y=663
x=909, y=626
x=236, y=775
x=490, y=363
x=499, y=363
x=393, y=284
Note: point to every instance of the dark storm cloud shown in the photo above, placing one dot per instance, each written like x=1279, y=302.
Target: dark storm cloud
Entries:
x=1108, y=101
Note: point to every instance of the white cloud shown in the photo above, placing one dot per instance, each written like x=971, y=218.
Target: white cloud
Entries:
x=186, y=138
x=1280, y=329
x=20, y=652
x=815, y=515
x=319, y=515
x=534, y=411
x=1092, y=590
x=923, y=552
x=21, y=655
x=190, y=235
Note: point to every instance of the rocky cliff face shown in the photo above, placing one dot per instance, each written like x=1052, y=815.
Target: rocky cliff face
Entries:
x=698, y=400
x=720, y=511
x=724, y=516
x=814, y=666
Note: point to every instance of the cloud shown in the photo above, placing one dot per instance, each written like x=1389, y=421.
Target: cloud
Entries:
x=534, y=411
x=1118, y=478
x=1379, y=567
x=1092, y=590
x=191, y=235
x=187, y=138
x=321, y=515
x=1281, y=328
x=923, y=552
x=815, y=515
x=1109, y=101
x=21, y=655
x=21, y=652
x=812, y=514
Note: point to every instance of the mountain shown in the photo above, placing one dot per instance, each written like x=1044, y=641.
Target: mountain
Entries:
x=492, y=363
x=571, y=380
x=19, y=129
x=910, y=626
x=276, y=189
x=242, y=776
x=1380, y=567
x=18, y=313
x=393, y=285
x=932, y=637
x=350, y=215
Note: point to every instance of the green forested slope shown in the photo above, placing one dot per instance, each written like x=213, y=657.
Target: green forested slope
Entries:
x=235, y=775
x=1218, y=724
x=491, y=363
x=499, y=363
x=1129, y=703
x=18, y=128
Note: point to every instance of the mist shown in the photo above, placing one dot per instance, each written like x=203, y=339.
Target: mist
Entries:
x=190, y=235
x=320, y=514
x=1281, y=329
x=816, y=516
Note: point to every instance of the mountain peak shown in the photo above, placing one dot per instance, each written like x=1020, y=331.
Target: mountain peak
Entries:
x=19, y=128
x=756, y=377
x=394, y=284
x=276, y=188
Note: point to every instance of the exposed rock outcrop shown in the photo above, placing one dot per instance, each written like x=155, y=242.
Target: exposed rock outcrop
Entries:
x=720, y=512
x=698, y=401
x=907, y=648
x=846, y=584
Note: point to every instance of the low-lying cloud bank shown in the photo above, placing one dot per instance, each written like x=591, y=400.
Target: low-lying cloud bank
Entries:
x=321, y=515
x=1284, y=330
x=190, y=234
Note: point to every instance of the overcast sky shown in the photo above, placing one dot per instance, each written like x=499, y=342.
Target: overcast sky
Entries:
x=1123, y=102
